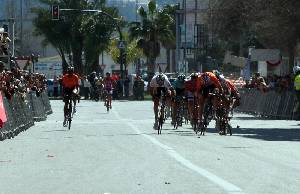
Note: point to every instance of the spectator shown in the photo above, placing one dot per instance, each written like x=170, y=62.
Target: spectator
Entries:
x=5, y=43
x=86, y=86
x=55, y=86
x=126, y=86
x=259, y=83
x=138, y=88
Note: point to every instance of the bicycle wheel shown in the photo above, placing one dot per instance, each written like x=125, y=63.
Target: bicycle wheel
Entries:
x=69, y=115
x=107, y=105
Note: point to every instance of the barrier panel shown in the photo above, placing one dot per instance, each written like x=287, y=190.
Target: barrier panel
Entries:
x=22, y=112
x=272, y=105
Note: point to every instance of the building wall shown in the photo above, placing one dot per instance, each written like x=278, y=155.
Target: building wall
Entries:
x=192, y=34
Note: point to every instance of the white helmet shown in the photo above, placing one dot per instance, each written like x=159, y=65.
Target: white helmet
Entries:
x=296, y=69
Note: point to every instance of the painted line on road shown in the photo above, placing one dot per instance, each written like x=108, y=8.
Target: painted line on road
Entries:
x=227, y=186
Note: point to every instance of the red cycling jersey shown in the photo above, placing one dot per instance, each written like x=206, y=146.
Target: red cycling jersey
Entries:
x=232, y=87
x=70, y=81
x=207, y=79
x=191, y=85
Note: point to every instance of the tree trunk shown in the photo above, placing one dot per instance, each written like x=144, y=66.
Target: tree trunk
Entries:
x=77, y=59
x=291, y=51
x=151, y=67
x=168, y=51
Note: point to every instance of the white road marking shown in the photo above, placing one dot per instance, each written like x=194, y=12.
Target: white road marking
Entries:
x=227, y=186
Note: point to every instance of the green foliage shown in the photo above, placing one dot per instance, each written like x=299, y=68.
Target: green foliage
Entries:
x=133, y=52
x=262, y=23
x=156, y=28
x=76, y=31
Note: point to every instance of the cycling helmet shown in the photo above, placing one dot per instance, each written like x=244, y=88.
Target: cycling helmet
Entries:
x=181, y=77
x=296, y=69
x=160, y=78
x=217, y=73
x=194, y=75
x=70, y=69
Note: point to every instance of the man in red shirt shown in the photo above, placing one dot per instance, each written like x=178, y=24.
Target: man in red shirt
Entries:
x=70, y=83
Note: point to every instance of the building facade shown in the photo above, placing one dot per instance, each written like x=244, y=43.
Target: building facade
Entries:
x=192, y=35
x=26, y=42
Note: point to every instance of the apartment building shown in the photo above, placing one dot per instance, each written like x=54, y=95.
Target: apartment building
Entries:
x=192, y=35
x=26, y=41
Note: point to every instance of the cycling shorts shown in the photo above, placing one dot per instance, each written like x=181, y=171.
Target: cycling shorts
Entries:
x=206, y=90
x=109, y=91
x=160, y=91
x=68, y=92
x=180, y=91
x=190, y=96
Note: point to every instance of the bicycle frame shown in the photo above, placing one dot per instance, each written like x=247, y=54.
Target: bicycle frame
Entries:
x=161, y=113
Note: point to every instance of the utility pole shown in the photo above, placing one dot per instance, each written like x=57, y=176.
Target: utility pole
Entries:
x=136, y=10
x=21, y=30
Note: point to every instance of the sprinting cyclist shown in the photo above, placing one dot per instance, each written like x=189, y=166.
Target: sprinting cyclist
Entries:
x=229, y=88
x=70, y=83
x=191, y=88
x=179, y=86
x=207, y=83
x=108, y=87
x=159, y=85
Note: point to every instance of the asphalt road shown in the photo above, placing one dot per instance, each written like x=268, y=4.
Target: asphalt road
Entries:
x=119, y=152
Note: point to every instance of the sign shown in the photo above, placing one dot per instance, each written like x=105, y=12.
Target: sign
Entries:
x=50, y=69
x=102, y=66
x=122, y=44
x=162, y=67
x=265, y=55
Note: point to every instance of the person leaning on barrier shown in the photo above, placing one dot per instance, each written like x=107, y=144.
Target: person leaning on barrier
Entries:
x=296, y=71
x=259, y=83
x=138, y=88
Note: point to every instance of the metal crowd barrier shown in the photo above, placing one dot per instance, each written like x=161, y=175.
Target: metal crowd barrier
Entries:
x=272, y=105
x=23, y=112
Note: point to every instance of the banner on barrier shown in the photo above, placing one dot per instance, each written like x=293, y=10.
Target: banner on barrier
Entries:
x=3, y=117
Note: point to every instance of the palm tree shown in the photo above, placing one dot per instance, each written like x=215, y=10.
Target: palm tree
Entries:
x=153, y=31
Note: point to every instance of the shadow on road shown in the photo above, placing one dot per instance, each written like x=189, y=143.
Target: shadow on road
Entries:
x=250, y=118
x=58, y=130
x=268, y=134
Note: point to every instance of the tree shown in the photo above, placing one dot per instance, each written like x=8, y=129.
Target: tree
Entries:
x=76, y=32
x=97, y=30
x=262, y=23
x=133, y=52
x=153, y=30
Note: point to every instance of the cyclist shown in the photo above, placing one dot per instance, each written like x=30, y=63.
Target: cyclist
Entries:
x=191, y=94
x=159, y=85
x=179, y=85
x=207, y=83
x=108, y=86
x=229, y=88
x=70, y=83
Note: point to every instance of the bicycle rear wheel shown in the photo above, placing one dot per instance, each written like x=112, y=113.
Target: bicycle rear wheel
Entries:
x=69, y=115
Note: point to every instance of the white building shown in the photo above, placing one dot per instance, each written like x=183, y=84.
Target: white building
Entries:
x=192, y=35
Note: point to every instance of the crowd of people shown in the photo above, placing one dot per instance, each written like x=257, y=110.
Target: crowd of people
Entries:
x=271, y=82
x=4, y=43
x=17, y=81
x=91, y=87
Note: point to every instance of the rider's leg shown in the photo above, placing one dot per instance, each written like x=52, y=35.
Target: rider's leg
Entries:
x=110, y=99
x=174, y=111
x=201, y=102
x=155, y=108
